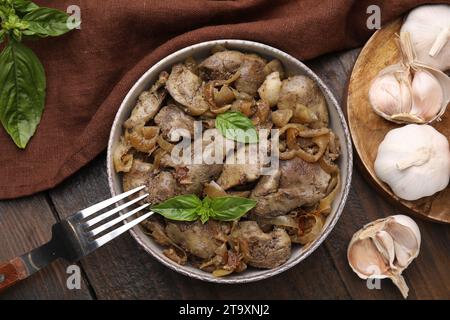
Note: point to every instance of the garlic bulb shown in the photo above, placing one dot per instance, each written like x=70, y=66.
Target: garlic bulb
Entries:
x=410, y=92
x=384, y=249
x=414, y=161
x=429, y=27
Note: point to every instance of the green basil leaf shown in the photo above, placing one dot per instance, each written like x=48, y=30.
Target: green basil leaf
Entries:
x=204, y=214
x=22, y=92
x=205, y=211
x=4, y=12
x=235, y=126
x=180, y=208
x=230, y=208
x=45, y=22
x=206, y=203
x=24, y=6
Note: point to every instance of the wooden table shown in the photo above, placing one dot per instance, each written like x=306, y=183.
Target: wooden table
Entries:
x=122, y=270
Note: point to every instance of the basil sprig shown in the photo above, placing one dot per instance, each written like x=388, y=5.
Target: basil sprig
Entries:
x=236, y=126
x=191, y=208
x=22, y=76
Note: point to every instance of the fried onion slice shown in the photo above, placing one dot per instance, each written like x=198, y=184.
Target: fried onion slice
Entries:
x=303, y=229
x=320, y=137
x=213, y=190
x=325, y=203
x=165, y=145
x=309, y=228
x=280, y=118
x=143, y=139
x=157, y=156
x=220, y=100
x=121, y=158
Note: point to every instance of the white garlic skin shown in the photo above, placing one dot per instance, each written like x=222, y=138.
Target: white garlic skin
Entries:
x=414, y=161
x=385, y=245
x=425, y=24
x=427, y=95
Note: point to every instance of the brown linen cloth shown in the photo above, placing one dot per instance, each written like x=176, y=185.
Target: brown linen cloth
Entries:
x=89, y=71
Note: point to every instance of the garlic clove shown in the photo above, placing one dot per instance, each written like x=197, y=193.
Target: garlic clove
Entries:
x=427, y=95
x=384, y=248
x=366, y=260
x=385, y=245
x=403, y=235
x=402, y=255
x=384, y=95
x=406, y=239
x=410, y=224
x=444, y=82
x=390, y=94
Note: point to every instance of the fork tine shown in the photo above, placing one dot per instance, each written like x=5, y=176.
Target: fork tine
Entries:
x=101, y=205
x=109, y=224
x=117, y=232
x=109, y=213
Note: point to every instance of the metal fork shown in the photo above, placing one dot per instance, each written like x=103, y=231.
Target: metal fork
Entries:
x=76, y=237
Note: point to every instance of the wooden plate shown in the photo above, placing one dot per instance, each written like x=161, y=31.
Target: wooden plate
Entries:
x=368, y=129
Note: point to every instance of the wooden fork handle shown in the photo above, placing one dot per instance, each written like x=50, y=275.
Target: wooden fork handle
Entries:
x=12, y=272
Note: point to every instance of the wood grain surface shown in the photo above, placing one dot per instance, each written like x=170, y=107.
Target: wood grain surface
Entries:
x=368, y=129
x=24, y=225
x=122, y=270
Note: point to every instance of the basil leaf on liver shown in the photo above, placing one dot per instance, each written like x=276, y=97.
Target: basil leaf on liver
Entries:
x=191, y=208
x=180, y=208
x=22, y=91
x=230, y=208
x=236, y=126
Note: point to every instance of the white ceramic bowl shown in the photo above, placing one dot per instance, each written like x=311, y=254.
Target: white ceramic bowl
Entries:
x=292, y=66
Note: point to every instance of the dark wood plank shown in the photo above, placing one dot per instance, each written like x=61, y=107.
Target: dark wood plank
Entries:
x=25, y=224
x=428, y=276
x=123, y=270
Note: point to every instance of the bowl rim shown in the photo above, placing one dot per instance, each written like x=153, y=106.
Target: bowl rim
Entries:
x=263, y=274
